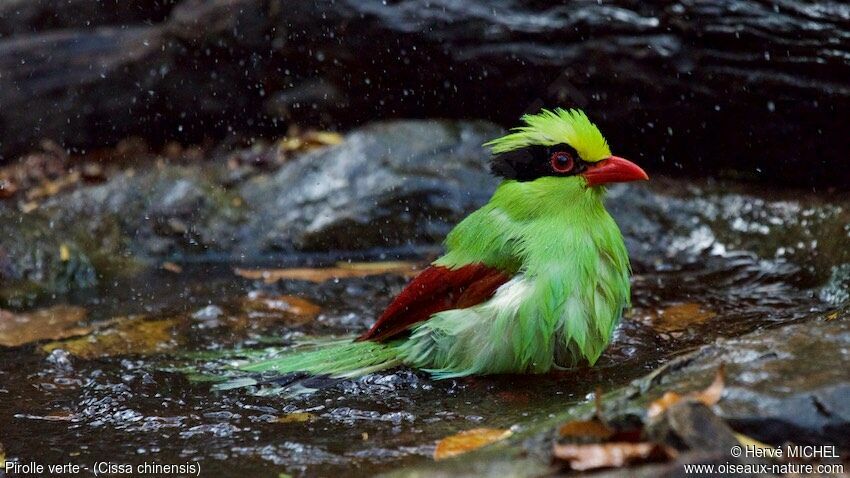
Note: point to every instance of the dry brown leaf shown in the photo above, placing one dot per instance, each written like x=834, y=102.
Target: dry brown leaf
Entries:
x=341, y=271
x=171, y=267
x=468, y=440
x=29, y=207
x=59, y=416
x=127, y=336
x=64, y=253
x=292, y=306
x=681, y=316
x=93, y=172
x=709, y=396
x=54, y=323
x=752, y=443
x=586, y=429
x=7, y=188
x=308, y=141
x=51, y=188
x=296, y=417
x=609, y=455
x=324, y=138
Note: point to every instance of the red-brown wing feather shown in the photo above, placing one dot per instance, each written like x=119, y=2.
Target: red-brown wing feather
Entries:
x=435, y=289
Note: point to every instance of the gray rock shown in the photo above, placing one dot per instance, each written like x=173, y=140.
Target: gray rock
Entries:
x=21, y=17
x=837, y=289
x=387, y=184
x=32, y=261
x=208, y=314
x=161, y=212
x=671, y=82
x=692, y=426
x=785, y=384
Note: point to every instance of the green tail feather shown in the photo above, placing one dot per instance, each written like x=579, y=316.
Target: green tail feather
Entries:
x=342, y=358
x=338, y=358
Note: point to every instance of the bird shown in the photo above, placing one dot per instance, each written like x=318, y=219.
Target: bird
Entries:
x=535, y=280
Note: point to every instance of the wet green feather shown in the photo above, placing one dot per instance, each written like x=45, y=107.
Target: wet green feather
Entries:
x=570, y=285
x=550, y=127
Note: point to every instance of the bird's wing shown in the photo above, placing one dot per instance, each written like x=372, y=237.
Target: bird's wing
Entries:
x=435, y=289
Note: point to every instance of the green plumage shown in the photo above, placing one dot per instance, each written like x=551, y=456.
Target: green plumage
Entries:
x=561, y=307
x=569, y=278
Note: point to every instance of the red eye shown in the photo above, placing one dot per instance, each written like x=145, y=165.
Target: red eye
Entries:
x=562, y=162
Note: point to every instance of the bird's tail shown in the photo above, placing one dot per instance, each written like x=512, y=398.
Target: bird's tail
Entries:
x=334, y=359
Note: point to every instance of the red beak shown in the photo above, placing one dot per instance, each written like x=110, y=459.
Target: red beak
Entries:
x=613, y=170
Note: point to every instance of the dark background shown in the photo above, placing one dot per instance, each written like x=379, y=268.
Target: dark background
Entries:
x=749, y=89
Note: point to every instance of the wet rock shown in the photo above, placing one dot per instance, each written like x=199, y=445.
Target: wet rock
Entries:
x=35, y=260
x=305, y=100
x=73, y=240
x=782, y=384
x=786, y=384
x=78, y=87
x=387, y=184
x=31, y=16
x=670, y=81
x=210, y=312
x=675, y=223
x=165, y=211
x=693, y=426
x=837, y=289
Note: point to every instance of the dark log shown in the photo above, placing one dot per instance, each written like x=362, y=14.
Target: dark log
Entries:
x=758, y=89
x=31, y=16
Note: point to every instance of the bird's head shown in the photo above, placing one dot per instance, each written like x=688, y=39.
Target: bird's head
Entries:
x=560, y=147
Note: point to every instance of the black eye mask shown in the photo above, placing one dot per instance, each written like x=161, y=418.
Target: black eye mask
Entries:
x=532, y=162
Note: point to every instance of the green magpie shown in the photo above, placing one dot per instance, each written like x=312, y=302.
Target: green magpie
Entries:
x=536, y=279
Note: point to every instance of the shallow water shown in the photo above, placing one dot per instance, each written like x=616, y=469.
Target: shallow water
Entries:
x=57, y=408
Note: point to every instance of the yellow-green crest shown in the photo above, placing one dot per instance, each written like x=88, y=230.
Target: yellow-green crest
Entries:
x=550, y=127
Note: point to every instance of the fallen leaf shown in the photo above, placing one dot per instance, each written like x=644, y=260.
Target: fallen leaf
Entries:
x=300, y=309
x=323, y=138
x=752, y=442
x=309, y=140
x=296, y=417
x=54, y=323
x=61, y=416
x=710, y=396
x=594, y=429
x=93, y=172
x=467, y=441
x=64, y=253
x=127, y=336
x=680, y=317
x=586, y=429
x=609, y=455
x=341, y=271
x=29, y=207
x=51, y=188
x=171, y=267
x=7, y=188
